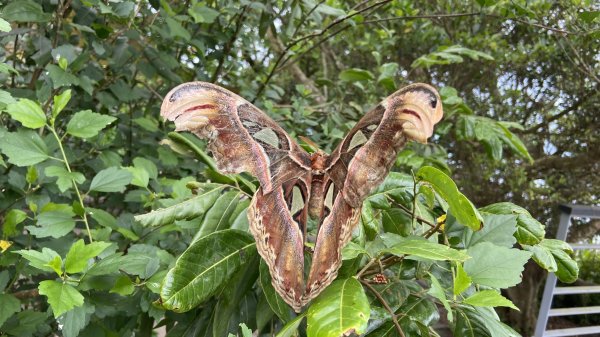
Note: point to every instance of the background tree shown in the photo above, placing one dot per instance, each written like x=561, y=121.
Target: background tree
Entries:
x=82, y=86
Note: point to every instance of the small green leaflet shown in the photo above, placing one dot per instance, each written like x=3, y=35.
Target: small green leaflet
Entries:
x=28, y=112
x=60, y=102
x=23, y=148
x=65, y=178
x=37, y=259
x=80, y=253
x=489, y=298
x=87, y=124
x=112, y=179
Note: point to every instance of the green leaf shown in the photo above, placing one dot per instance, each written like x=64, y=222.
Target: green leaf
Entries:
x=567, y=269
x=489, y=298
x=438, y=292
x=277, y=304
x=495, y=266
x=139, y=176
x=123, y=286
x=459, y=205
x=498, y=229
x=64, y=181
x=31, y=175
x=202, y=14
x=462, y=281
x=28, y=112
x=529, y=230
x=341, y=309
x=351, y=75
x=10, y=305
x=61, y=296
x=4, y=27
x=422, y=248
x=5, y=96
x=480, y=322
x=54, y=223
x=60, y=77
x=79, y=254
x=56, y=265
x=74, y=320
x=188, y=209
x=543, y=257
x=219, y=215
x=177, y=30
x=291, y=328
x=353, y=250
x=60, y=102
x=204, y=267
x=112, y=179
x=23, y=148
x=11, y=220
x=37, y=259
x=328, y=10
x=25, y=11
x=87, y=124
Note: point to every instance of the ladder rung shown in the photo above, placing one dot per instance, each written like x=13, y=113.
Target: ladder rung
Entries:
x=577, y=246
x=588, y=330
x=574, y=311
x=576, y=290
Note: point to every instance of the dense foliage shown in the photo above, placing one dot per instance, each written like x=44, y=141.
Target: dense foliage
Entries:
x=85, y=158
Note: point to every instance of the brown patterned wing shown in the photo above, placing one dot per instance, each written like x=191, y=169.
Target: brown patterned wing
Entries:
x=361, y=162
x=244, y=139
x=241, y=137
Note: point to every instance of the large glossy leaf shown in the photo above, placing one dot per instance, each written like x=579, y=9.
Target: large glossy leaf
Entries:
x=291, y=328
x=237, y=301
x=188, y=209
x=459, y=205
x=277, y=304
x=204, y=267
x=219, y=215
x=341, y=309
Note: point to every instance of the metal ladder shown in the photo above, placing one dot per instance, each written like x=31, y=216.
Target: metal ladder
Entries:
x=566, y=213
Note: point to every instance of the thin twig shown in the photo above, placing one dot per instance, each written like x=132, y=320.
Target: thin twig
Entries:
x=339, y=20
x=306, y=16
x=227, y=48
x=454, y=15
x=426, y=16
x=386, y=305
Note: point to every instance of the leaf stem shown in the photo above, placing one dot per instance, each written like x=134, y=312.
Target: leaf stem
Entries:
x=66, y=161
x=386, y=305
